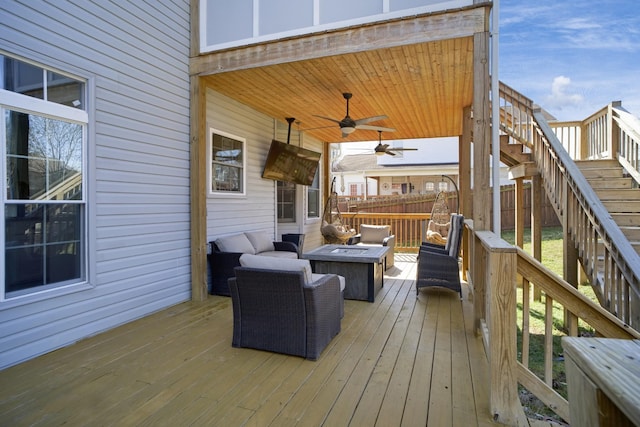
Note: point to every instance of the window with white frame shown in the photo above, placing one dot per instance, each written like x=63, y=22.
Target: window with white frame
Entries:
x=228, y=163
x=43, y=141
x=313, y=197
x=286, y=197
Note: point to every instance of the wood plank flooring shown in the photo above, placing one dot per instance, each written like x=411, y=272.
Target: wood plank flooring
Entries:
x=401, y=360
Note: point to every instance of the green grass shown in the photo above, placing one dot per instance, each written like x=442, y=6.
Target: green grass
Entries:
x=552, y=258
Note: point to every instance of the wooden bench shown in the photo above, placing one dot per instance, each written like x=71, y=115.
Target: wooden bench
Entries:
x=603, y=377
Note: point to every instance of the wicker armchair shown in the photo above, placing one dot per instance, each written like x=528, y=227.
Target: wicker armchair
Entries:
x=438, y=265
x=277, y=311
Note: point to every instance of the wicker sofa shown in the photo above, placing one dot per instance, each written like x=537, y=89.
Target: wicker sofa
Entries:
x=284, y=308
x=225, y=255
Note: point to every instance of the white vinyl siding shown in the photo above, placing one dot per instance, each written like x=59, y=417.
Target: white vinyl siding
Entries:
x=135, y=58
x=258, y=210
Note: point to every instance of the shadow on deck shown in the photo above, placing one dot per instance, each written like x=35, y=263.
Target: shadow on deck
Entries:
x=401, y=360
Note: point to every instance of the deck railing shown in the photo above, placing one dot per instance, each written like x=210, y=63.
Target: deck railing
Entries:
x=493, y=281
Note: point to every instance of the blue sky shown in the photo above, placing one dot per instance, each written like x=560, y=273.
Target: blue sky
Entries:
x=572, y=57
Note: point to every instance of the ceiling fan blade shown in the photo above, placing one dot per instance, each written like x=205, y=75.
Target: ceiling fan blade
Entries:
x=389, y=153
x=378, y=128
x=402, y=149
x=370, y=119
x=327, y=118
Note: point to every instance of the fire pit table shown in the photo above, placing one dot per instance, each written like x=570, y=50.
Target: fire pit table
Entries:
x=361, y=266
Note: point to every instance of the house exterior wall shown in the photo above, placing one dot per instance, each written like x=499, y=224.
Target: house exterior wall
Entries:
x=256, y=210
x=134, y=56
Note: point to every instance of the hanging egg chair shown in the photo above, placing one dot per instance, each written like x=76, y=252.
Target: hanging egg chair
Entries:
x=333, y=228
x=440, y=222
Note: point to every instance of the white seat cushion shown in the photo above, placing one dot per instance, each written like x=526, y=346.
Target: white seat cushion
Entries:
x=280, y=254
x=373, y=233
x=282, y=264
x=260, y=241
x=235, y=243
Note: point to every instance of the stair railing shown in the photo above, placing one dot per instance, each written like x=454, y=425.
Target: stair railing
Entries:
x=599, y=240
x=628, y=137
x=610, y=133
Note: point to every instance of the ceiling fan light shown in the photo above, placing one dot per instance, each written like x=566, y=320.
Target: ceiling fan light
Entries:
x=379, y=153
x=348, y=129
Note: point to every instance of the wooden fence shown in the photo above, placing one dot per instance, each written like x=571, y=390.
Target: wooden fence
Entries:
x=423, y=204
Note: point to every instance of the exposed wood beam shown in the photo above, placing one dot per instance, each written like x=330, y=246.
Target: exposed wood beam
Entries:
x=523, y=170
x=400, y=32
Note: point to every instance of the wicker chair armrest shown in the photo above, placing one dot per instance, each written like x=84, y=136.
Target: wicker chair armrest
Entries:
x=285, y=246
x=354, y=240
x=432, y=247
x=389, y=241
x=221, y=265
x=322, y=302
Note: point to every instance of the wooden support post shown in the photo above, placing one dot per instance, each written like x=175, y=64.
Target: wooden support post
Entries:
x=500, y=276
x=479, y=266
x=198, y=164
x=481, y=133
x=519, y=212
x=481, y=166
x=464, y=181
x=198, y=167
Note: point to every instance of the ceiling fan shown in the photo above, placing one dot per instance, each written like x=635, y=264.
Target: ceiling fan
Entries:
x=382, y=149
x=349, y=125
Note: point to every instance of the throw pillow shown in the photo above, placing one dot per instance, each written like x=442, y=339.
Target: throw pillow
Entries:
x=260, y=241
x=282, y=264
x=373, y=233
x=235, y=243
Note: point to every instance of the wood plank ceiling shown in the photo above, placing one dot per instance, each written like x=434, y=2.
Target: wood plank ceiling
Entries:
x=416, y=70
x=422, y=88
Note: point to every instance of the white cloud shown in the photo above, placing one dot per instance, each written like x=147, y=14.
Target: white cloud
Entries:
x=561, y=96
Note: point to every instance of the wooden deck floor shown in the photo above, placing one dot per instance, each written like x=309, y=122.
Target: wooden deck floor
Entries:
x=401, y=360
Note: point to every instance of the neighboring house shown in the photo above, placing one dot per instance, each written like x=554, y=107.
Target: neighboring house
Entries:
x=407, y=172
x=433, y=167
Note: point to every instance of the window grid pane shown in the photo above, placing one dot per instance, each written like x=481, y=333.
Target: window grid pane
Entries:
x=227, y=164
x=43, y=205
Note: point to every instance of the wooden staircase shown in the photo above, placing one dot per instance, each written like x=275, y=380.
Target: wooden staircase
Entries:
x=617, y=194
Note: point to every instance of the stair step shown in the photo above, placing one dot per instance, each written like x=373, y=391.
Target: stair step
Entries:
x=614, y=183
x=632, y=233
x=621, y=195
x=597, y=164
x=602, y=173
x=626, y=219
x=622, y=206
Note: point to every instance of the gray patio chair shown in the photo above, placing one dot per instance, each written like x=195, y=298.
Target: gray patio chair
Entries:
x=438, y=265
x=279, y=311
